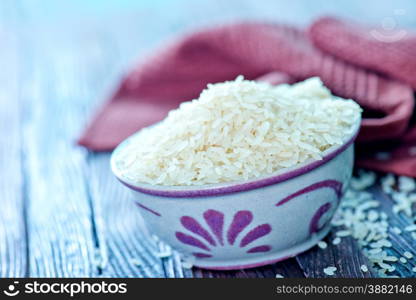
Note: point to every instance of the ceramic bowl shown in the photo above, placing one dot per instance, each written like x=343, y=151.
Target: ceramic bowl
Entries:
x=249, y=223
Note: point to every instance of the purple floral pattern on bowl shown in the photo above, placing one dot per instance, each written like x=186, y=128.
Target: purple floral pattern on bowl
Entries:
x=207, y=238
x=248, y=223
x=145, y=208
x=314, y=225
x=335, y=185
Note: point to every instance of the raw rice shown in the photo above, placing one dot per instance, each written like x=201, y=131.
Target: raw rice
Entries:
x=330, y=270
x=343, y=233
x=364, y=268
x=406, y=184
x=164, y=254
x=359, y=213
x=364, y=180
x=336, y=241
x=396, y=230
x=410, y=227
x=375, y=250
x=187, y=264
x=390, y=258
x=322, y=245
x=239, y=130
x=387, y=267
x=403, y=260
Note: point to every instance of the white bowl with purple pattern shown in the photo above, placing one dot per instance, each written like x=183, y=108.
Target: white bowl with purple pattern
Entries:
x=249, y=223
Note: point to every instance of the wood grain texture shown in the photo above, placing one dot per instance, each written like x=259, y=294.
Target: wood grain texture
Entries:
x=63, y=213
x=129, y=249
x=59, y=216
x=288, y=269
x=13, y=254
x=347, y=257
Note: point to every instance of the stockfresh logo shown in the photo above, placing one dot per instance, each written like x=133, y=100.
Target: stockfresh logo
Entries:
x=389, y=32
x=12, y=290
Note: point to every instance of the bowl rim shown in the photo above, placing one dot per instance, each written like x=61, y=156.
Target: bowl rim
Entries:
x=218, y=189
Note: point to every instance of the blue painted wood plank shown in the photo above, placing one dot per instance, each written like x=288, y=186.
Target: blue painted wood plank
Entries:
x=12, y=228
x=130, y=251
x=347, y=257
x=60, y=227
x=13, y=254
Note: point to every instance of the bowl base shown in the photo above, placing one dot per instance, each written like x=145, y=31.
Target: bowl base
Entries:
x=263, y=260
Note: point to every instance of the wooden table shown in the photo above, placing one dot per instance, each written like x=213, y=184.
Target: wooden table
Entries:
x=62, y=212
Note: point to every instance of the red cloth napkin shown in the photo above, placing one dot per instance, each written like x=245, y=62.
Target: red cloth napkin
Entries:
x=350, y=59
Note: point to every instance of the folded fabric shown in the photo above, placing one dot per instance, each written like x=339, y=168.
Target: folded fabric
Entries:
x=379, y=75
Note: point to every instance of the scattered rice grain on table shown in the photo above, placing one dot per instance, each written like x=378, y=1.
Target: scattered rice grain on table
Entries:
x=343, y=233
x=359, y=212
x=403, y=260
x=410, y=227
x=387, y=183
x=322, y=245
x=375, y=250
x=336, y=241
x=364, y=180
x=364, y=268
x=396, y=230
x=330, y=270
x=406, y=184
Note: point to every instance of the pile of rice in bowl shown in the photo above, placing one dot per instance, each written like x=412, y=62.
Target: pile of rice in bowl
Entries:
x=238, y=130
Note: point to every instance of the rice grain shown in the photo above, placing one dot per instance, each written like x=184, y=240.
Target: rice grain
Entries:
x=239, y=130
